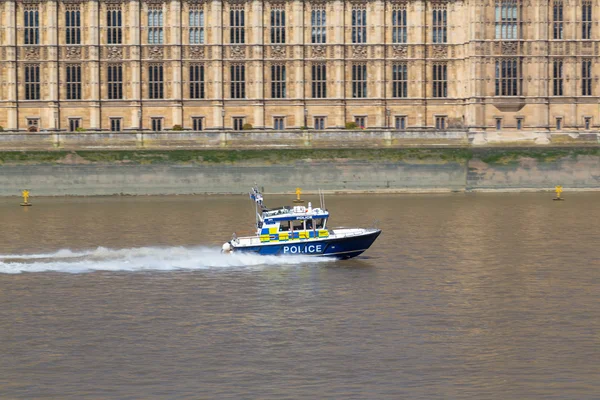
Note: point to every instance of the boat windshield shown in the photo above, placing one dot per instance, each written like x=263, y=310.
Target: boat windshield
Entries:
x=300, y=225
x=279, y=211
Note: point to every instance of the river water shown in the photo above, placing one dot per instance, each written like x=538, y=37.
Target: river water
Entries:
x=463, y=296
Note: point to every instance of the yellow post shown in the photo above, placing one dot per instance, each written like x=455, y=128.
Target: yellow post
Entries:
x=25, y=194
x=298, y=192
x=558, y=190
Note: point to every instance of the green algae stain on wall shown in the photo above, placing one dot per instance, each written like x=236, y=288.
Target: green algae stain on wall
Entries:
x=284, y=156
x=543, y=155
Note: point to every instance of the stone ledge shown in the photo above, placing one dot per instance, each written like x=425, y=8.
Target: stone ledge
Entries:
x=234, y=140
x=227, y=140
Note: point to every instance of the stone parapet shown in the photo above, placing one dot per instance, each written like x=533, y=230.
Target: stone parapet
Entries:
x=286, y=139
x=228, y=139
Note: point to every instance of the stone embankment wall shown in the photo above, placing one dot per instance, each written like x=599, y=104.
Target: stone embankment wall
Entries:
x=169, y=140
x=281, y=171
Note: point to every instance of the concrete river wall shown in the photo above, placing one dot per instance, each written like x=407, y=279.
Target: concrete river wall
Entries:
x=281, y=171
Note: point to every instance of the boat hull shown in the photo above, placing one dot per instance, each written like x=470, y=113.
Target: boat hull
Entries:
x=338, y=247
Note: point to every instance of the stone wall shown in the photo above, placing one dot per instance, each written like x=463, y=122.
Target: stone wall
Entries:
x=391, y=170
x=229, y=139
x=360, y=139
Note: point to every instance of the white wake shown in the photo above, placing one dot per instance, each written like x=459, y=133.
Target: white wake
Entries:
x=142, y=259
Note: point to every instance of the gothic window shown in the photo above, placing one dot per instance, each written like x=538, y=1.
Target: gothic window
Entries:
x=196, y=81
x=507, y=78
x=440, y=122
x=114, y=74
x=73, y=72
x=586, y=19
x=157, y=124
x=238, y=81
x=197, y=123
x=115, y=124
x=278, y=81
x=32, y=82
x=399, y=80
x=440, y=80
x=73, y=24
x=361, y=122
x=236, y=20
x=319, y=122
x=31, y=25
x=440, y=23
x=155, y=25
x=359, y=80
x=586, y=77
x=399, y=34
x=319, y=81
x=318, y=19
x=506, y=19
x=238, y=123
x=557, y=19
x=400, y=122
x=114, y=23
x=74, y=124
x=359, y=24
x=557, y=78
x=279, y=123
x=278, y=25
x=196, y=26
x=156, y=83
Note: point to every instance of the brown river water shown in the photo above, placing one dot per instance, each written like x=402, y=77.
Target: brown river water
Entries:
x=463, y=296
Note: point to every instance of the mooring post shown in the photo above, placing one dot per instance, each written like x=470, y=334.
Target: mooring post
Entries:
x=558, y=189
x=25, y=194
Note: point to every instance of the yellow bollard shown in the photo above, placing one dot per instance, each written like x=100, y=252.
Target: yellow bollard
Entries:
x=558, y=189
x=25, y=194
x=298, y=192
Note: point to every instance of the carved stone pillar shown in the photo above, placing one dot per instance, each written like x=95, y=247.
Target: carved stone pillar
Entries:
x=134, y=64
x=11, y=68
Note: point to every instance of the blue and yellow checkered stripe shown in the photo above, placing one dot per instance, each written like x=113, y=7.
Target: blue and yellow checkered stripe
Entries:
x=271, y=235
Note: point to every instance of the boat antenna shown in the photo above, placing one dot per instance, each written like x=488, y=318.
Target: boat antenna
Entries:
x=257, y=198
x=321, y=199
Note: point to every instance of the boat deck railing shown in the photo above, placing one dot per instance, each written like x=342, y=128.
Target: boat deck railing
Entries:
x=350, y=232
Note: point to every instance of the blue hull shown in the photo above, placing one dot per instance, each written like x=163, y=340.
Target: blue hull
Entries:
x=341, y=248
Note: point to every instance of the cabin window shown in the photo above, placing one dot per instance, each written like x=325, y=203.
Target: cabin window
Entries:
x=319, y=223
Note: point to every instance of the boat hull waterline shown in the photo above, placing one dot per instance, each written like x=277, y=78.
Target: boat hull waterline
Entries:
x=342, y=247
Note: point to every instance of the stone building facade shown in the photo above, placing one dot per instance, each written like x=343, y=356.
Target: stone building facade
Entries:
x=480, y=65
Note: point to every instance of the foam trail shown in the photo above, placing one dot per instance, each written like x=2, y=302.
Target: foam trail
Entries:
x=141, y=259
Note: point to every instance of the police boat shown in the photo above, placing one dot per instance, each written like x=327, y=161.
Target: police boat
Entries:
x=300, y=230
